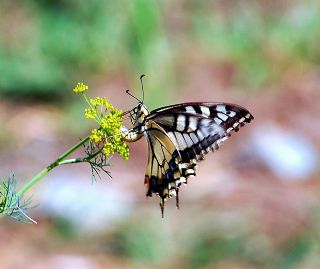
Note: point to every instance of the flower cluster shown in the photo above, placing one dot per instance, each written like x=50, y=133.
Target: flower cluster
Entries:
x=90, y=113
x=98, y=101
x=80, y=88
x=110, y=121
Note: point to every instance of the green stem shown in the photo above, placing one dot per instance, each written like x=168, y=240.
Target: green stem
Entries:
x=56, y=163
x=79, y=160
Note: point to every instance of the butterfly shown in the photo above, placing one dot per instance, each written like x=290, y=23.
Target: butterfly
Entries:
x=178, y=137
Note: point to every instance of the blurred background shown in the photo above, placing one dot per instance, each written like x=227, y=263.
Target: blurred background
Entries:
x=254, y=203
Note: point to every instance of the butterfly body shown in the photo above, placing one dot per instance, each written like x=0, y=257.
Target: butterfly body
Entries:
x=178, y=137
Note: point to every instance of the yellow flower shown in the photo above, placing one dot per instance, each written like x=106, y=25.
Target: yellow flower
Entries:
x=112, y=121
x=115, y=144
x=123, y=150
x=98, y=101
x=96, y=135
x=108, y=149
x=90, y=113
x=80, y=88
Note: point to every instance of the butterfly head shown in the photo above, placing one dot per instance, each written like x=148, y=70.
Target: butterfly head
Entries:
x=139, y=114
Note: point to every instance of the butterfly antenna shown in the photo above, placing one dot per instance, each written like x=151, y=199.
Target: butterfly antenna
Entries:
x=128, y=92
x=141, y=81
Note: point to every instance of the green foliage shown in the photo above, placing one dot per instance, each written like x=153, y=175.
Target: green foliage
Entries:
x=294, y=253
x=63, y=228
x=11, y=204
x=141, y=241
x=261, y=46
x=54, y=43
x=211, y=249
x=62, y=41
x=206, y=244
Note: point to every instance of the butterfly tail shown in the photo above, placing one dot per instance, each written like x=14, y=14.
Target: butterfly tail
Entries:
x=162, y=206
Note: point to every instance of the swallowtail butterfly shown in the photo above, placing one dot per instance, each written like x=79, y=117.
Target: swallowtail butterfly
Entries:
x=178, y=137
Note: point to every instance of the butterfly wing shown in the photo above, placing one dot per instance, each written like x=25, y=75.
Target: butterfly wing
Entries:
x=180, y=135
x=163, y=171
x=197, y=128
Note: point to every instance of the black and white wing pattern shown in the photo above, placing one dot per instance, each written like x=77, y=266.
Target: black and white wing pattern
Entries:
x=180, y=135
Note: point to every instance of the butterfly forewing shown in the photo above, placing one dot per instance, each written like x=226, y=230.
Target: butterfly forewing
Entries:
x=198, y=128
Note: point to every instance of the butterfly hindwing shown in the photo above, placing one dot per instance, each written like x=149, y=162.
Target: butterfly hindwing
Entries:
x=163, y=174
